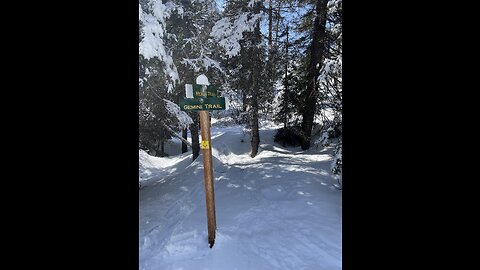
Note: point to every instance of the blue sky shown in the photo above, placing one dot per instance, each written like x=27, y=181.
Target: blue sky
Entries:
x=219, y=4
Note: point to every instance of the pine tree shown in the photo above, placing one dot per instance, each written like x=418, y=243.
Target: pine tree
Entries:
x=153, y=134
x=238, y=33
x=316, y=55
x=157, y=77
x=330, y=81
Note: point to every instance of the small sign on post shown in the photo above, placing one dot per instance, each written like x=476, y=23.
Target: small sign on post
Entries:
x=188, y=91
x=203, y=97
x=211, y=91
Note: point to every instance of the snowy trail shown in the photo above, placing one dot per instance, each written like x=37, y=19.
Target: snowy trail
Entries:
x=276, y=211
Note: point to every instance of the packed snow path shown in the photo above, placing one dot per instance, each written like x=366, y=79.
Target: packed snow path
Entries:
x=279, y=210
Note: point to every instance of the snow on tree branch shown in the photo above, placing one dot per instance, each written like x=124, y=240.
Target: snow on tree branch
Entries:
x=183, y=119
x=228, y=33
x=173, y=7
x=252, y=2
x=334, y=5
x=203, y=61
x=331, y=66
x=153, y=30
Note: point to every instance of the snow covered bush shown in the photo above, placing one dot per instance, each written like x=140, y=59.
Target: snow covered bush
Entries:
x=337, y=159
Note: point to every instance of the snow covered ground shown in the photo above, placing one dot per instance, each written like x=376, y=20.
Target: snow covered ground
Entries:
x=279, y=210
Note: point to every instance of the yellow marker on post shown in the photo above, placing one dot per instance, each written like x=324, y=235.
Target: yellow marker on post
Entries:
x=204, y=145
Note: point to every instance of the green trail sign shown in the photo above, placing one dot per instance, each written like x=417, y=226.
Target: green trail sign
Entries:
x=211, y=91
x=202, y=104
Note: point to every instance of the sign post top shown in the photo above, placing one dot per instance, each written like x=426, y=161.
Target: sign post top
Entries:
x=203, y=80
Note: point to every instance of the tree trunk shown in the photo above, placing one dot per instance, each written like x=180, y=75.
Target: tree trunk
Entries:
x=194, y=133
x=162, y=148
x=271, y=50
x=316, y=59
x=277, y=26
x=254, y=125
x=286, y=111
x=184, y=145
x=244, y=101
x=255, y=82
x=270, y=23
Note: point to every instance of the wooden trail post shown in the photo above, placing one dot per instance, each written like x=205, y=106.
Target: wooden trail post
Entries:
x=203, y=97
x=208, y=175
